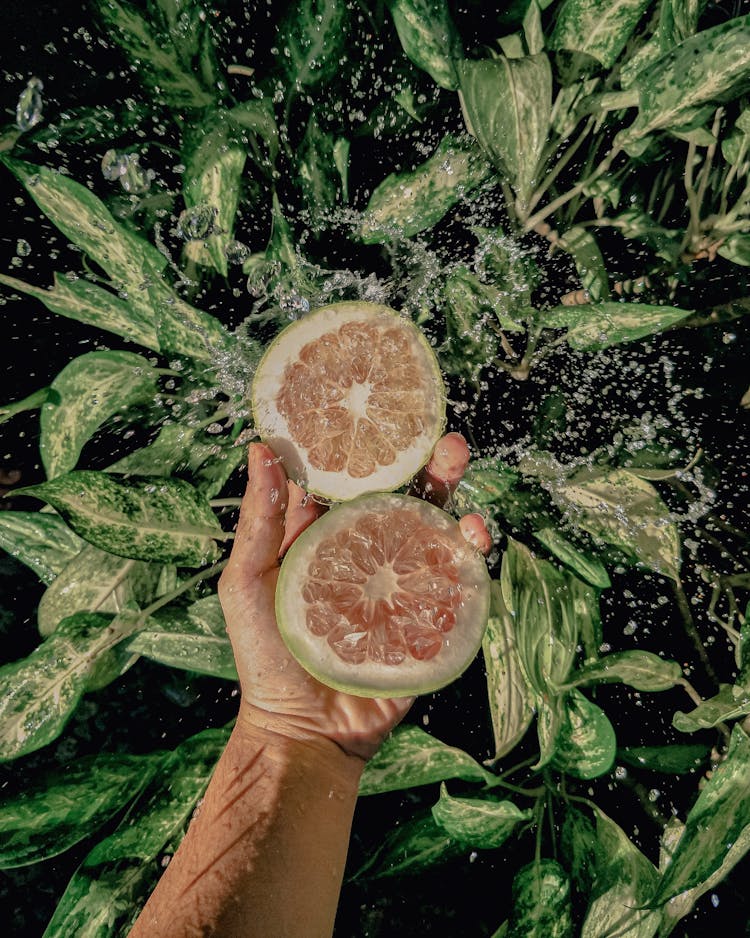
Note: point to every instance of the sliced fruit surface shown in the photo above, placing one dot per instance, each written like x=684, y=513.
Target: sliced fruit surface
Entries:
x=351, y=398
x=383, y=597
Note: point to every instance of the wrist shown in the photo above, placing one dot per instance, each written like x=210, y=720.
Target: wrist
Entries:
x=287, y=742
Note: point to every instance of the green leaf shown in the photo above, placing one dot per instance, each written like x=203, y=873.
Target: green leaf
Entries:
x=595, y=326
x=640, y=226
x=428, y=37
x=171, y=450
x=735, y=146
x=85, y=302
x=312, y=37
x=537, y=597
x=578, y=844
x=571, y=103
x=682, y=904
x=84, y=395
x=716, y=820
x=586, y=744
x=711, y=67
x=471, y=308
x=213, y=473
x=507, y=105
x=318, y=174
x=42, y=541
x=207, y=615
x=585, y=600
x=258, y=117
x=95, y=581
x=582, y=247
x=132, y=263
x=341, y=161
x=477, y=823
x=736, y=249
x=541, y=902
x=162, y=59
x=470, y=344
x=533, y=30
x=85, y=220
x=675, y=759
x=595, y=29
x=161, y=520
x=586, y=566
x=105, y=893
x=509, y=697
x=39, y=693
x=488, y=481
x=410, y=757
x=550, y=713
x=176, y=640
x=732, y=702
x=624, y=882
x=410, y=848
x=406, y=203
x=639, y=669
x=214, y=161
x=54, y=814
x=618, y=508
x=32, y=402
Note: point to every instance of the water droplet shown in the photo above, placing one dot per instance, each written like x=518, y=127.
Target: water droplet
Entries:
x=135, y=179
x=23, y=248
x=294, y=304
x=113, y=165
x=197, y=223
x=29, y=107
x=237, y=252
x=126, y=168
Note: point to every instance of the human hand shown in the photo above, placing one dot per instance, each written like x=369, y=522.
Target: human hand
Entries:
x=277, y=693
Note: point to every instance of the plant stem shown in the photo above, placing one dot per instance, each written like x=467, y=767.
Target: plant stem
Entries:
x=572, y=193
x=183, y=588
x=710, y=151
x=639, y=790
x=693, y=204
x=560, y=165
x=690, y=691
x=692, y=632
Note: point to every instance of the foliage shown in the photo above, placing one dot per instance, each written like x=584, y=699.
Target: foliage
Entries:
x=554, y=190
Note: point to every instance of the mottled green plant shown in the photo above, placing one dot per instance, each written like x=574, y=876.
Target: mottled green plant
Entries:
x=565, y=124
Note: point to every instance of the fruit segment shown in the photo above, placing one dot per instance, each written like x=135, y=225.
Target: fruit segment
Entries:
x=383, y=592
x=351, y=398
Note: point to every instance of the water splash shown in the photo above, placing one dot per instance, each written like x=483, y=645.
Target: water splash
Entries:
x=197, y=223
x=29, y=107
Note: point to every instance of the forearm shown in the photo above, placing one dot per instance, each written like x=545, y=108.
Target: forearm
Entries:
x=265, y=854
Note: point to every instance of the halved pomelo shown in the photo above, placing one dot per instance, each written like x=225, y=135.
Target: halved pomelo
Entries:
x=383, y=597
x=351, y=399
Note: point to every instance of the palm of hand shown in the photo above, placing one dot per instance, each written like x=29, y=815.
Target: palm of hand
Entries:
x=276, y=691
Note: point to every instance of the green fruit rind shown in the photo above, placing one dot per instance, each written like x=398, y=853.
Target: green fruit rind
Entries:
x=272, y=427
x=376, y=679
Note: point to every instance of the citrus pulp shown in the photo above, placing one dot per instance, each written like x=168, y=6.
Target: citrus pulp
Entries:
x=383, y=597
x=351, y=399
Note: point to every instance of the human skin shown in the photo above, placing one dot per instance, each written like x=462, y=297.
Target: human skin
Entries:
x=264, y=855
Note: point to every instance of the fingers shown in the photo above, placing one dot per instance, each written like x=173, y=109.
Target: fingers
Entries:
x=260, y=529
x=444, y=470
x=475, y=532
x=300, y=513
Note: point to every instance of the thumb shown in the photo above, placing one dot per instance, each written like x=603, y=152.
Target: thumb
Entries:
x=260, y=529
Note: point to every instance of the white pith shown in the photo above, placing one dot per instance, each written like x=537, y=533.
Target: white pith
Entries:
x=273, y=428
x=375, y=679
